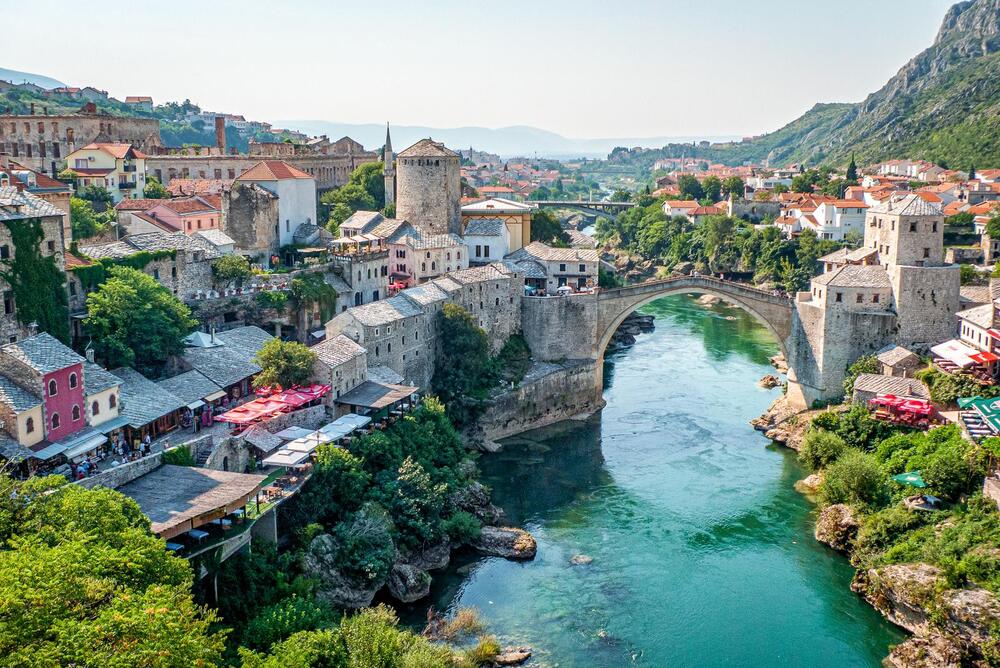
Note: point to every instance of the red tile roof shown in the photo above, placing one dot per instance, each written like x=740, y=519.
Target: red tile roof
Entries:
x=187, y=205
x=137, y=204
x=272, y=170
x=119, y=151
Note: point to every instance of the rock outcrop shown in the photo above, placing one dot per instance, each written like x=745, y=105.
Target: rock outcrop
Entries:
x=934, y=651
x=507, y=542
x=633, y=325
x=783, y=424
x=837, y=526
x=769, y=382
x=512, y=656
x=335, y=588
x=431, y=558
x=475, y=499
x=901, y=592
x=408, y=583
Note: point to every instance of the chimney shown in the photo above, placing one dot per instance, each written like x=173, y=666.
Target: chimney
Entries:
x=90, y=354
x=213, y=335
x=220, y=134
x=32, y=108
x=45, y=111
x=32, y=328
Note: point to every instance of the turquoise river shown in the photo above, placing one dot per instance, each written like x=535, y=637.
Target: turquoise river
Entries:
x=702, y=551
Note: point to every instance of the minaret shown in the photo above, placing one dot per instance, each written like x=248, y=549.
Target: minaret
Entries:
x=389, y=169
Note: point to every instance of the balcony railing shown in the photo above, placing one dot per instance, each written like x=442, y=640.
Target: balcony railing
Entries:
x=126, y=185
x=128, y=168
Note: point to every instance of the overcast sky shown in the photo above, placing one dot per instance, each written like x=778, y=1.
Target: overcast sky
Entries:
x=582, y=68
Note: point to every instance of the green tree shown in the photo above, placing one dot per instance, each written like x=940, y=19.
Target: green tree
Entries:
x=109, y=594
x=712, y=187
x=336, y=489
x=545, y=227
x=620, y=195
x=98, y=196
x=855, y=479
x=371, y=177
x=232, y=268
x=416, y=506
x=463, y=370
x=84, y=221
x=154, y=189
x=779, y=188
x=280, y=620
x=284, y=363
x=351, y=195
x=864, y=364
x=134, y=321
x=339, y=212
x=820, y=448
x=689, y=187
x=734, y=186
x=852, y=170
x=968, y=274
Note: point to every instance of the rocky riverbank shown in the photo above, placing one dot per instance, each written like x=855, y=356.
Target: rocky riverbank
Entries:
x=632, y=326
x=951, y=627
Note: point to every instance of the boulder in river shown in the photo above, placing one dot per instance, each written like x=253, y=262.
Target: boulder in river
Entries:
x=512, y=656
x=408, y=583
x=810, y=484
x=507, y=542
x=581, y=559
x=769, y=381
x=837, y=526
x=431, y=558
x=334, y=587
x=708, y=300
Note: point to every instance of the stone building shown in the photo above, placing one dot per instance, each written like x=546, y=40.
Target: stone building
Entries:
x=41, y=141
x=401, y=332
x=429, y=187
x=44, y=187
x=340, y=363
x=18, y=207
x=576, y=268
x=897, y=291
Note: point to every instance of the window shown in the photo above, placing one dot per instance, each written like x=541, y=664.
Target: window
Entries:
x=95, y=408
x=29, y=425
x=927, y=252
x=875, y=298
x=55, y=420
x=486, y=252
x=388, y=347
x=458, y=255
x=53, y=388
x=433, y=266
x=562, y=267
x=156, y=274
x=112, y=401
x=76, y=413
x=4, y=252
x=72, y=381
x=479, y=250
x=583, y=268
x=51, y=245
x=913, y=227
x=376, y=351
x=448, y=255
x=8, y=302
x=840, y=297
x=934, y=227
x=860, y=298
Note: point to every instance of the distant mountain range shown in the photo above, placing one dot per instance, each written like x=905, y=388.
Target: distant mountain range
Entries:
x=942, y=106
x=14, y=76
x=518, y=140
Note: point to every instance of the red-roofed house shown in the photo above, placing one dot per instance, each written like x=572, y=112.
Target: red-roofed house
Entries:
x=118, y=168
x=140, y=102
x=188, y=215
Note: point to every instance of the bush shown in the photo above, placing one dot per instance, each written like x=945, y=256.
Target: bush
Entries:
x=820, y=448
x=484, y=652
x=365, y=550
x=856, y=426
x=855, y=479
x=466, y=622
x=462, y=527
x=950, y=465
x=178, y=457
x=866, y=364
x=274, y=299
x=231, y=268
x=279, y=621
x=880, y=530
x=946, y=388
x=514, y=359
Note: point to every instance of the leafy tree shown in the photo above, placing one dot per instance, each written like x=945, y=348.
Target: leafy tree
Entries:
x=852, y=170
x=364, y=550
x=232, y=267
x=802, y=184
x=463, y=372
x=134, y=321
x=98, y=196
x=339, y=212
x=620, y=195
x=545, y=227
x=689, y=187
x=84, y=221
x=779, y=188
x=154, y=189
x=109, y=593
x=856, y=426
x=968, y=274
x=855, y=479
x=820, y=448
x=734, y=186
x=284, y=363
x=280, y=620
x=416, y=506
x=351, y=195
x=336, y=489
x=712, y=187
x=371, y=177
x=864, y=364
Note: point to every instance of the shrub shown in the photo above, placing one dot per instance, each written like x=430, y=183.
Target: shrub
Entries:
x=882, y=529
x=514, y=359
x=855, y=479
x=866, y=364
x=273, y=299
x=820, y=448
x=178, y=457
x=462, y=527
x=856, y=426
x=365, y=550
x=279, y=621
x=950, y=465
x=484, y=652
x=466, y=622
x=231, y=268
x=946, y=388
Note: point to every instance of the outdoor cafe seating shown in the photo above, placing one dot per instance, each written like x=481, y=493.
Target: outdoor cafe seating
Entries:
x=906, y=411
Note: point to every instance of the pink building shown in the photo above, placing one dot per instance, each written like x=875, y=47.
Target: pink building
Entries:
x=188, y=214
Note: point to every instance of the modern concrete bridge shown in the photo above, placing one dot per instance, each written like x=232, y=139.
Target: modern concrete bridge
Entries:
x=589, y=205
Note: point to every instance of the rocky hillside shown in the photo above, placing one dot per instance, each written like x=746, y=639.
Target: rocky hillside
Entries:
x=943, y=105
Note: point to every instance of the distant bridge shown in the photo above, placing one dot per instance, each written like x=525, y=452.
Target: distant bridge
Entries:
x=590, y=205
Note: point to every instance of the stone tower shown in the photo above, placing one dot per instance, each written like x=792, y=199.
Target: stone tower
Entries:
x=389, y=169
x=429, y=187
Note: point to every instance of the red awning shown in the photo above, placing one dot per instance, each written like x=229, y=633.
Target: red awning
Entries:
x=994, y=333
x=294, y=398
x=985, y=357
x=916, y=406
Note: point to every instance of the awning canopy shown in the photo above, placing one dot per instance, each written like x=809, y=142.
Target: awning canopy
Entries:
x=112, y=424
x=370, y=394
x=215, y=396
x=955, y=352
x=984, y=357
x=195, y=405
x=988, y=410
x=84, y=444
x=292, y=433
x=913, y=479
x=286, y=457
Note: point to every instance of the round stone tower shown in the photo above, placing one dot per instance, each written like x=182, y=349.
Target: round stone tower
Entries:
x=429, y=187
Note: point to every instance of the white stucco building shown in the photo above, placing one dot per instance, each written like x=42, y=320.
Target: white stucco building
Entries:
x=295, y=190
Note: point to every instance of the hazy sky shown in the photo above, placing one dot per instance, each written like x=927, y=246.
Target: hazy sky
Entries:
x=581, y=68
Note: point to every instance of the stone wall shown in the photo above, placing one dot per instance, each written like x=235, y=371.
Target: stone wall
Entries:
x=229, y=454
x=250, y=216
x=927, y=299
x=559, y=328
x=52, y=229
x=121, y=475
x=330, y=171
x=313, y=417
x=548, y=394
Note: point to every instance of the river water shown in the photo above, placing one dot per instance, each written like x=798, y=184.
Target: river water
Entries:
x=702, y=551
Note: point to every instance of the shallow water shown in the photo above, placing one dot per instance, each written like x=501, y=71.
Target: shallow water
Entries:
x=702, y=551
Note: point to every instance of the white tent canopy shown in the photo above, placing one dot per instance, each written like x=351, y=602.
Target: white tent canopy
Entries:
x=286, y=457
x=292, y=433
x=955, y=352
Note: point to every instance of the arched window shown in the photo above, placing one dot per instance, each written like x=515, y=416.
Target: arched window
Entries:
x=72, y=381
x=388, y=347
x=55, y=420
x=76, y=413
x=112, y=401
x=52, y=388
x=376, y=351
x=95, y=408
x=29, y=425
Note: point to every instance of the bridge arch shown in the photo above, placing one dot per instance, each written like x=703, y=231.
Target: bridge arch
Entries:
x=616, y=304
